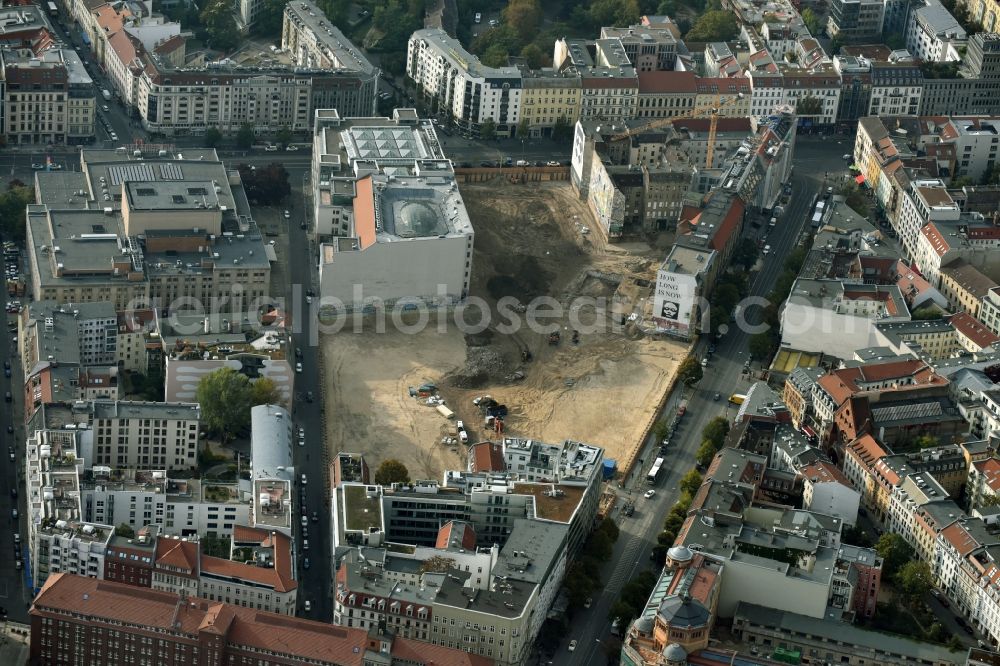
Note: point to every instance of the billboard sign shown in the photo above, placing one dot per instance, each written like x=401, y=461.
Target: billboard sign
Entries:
x=674, y=303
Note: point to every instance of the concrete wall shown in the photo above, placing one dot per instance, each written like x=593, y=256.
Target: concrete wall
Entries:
x=812, y=329
x=742, y=581
x=403, y=269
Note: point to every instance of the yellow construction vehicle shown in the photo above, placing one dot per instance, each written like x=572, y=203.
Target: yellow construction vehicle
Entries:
x=711, y=112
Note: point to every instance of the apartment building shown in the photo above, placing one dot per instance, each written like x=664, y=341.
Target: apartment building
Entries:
x=83, y=333
x=986, y=13
x=608, y=78
x=458, y=86
x=413, y=513
x=989, y=310
x=927, y=200
x=896, y=89
x=490, y=602
x=59, y=539
x=549, y=97
x=392, y=225
x=855, y=21
x=112, y=622
x=35, y=98
x=183, y=507
x=856, y=87
x=975, y=90
x=976, y=142
x=965, y=286
x=933, y=34
x=145, y=435
x=272, y=469
x=666, y=94
x=147, y=226
x=650, y=48
x=136, y=341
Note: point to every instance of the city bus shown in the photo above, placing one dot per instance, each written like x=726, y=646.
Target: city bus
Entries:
x=654, y=472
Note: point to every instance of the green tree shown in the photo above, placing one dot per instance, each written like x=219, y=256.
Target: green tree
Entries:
x=660, y=431
x=600, y=546
x=524, y=16
x=245, y=136
x=522, y=129
x=812, y=22
x=212, y=137
x=894, y=551
x=391, y=471
x=809, y=106
x=562, y=130
x=855, y=199
x=746, y=254
x=13, y=207
x=215, y=546
x=691, y=482
x=220, y=25
x=619, y=13
x=714, y=26
x=856, y=536
x=761, y=345
x=716, y=430
x=914, y=580
x=267, y=186
x=488, y=130
x=925, y=441
x=609, y=528
x=225, y=399
x=284, y=136
x=125, y=531
x=706, y=453
x=269, y=18
x=263, y=391
x=495, y=56
x=534, y=55
x=690, y=371
x=926, y=313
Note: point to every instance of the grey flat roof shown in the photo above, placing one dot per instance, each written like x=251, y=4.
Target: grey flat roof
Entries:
x=846, y=636
x=338, y=47
x=123, y=409
x=453, y=51
x=270, y=446
x=61, y=189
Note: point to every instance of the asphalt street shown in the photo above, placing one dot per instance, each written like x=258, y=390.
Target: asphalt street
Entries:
x=724, y=375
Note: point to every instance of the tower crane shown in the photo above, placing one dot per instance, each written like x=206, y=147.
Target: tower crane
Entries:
x=711, y=112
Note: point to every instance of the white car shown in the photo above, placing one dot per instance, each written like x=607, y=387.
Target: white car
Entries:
x=298, y=367
x=291, y=149
x=767, y=250
x=303, y=479
x=572, y=645
x=287, y=215
x=308, y=605
x=270, y=148
x=305, y=544
x=649, y=493
x=846, y=156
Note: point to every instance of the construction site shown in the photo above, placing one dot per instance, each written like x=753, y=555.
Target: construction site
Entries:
x=595, y=378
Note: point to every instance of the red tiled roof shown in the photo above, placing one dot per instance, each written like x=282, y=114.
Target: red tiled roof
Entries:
x=487, y=457
x=170, y=44
x=281, y=548
x=959, y=538
x=866, y=450
x=934, y=237
x=730, y=223
x=824, y=472
x=447, y=530
x=667, y=82
x=612, y=82
x=364, y=213
x=220, y=566
x=178, y=554
x=990, y=471
x=973, y=329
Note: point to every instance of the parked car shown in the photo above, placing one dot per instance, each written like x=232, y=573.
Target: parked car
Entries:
x=307, y=606
x=572, y=645
x=649, y=493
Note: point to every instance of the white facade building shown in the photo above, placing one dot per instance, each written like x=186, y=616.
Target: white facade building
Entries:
x=455, y=82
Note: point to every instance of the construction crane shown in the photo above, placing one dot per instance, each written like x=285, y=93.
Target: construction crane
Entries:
x=711, y=112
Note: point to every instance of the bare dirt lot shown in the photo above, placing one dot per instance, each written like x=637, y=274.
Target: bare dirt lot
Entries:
x=602, y=390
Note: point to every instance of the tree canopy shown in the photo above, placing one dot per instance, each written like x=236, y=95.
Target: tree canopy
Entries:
x=894, y=551
x=226, y=397
x=716, y=430
x=391, y=471
x=714, y=26
x=690, y=371
x=212, y=137
x=219, y=24
x=267, y=186
x=13, y=204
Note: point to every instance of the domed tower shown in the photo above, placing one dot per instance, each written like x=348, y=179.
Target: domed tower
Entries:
x=674, y=655
x=679, y=557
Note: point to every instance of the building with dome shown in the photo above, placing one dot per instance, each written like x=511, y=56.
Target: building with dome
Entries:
x=679, y=614
x=387, y=215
